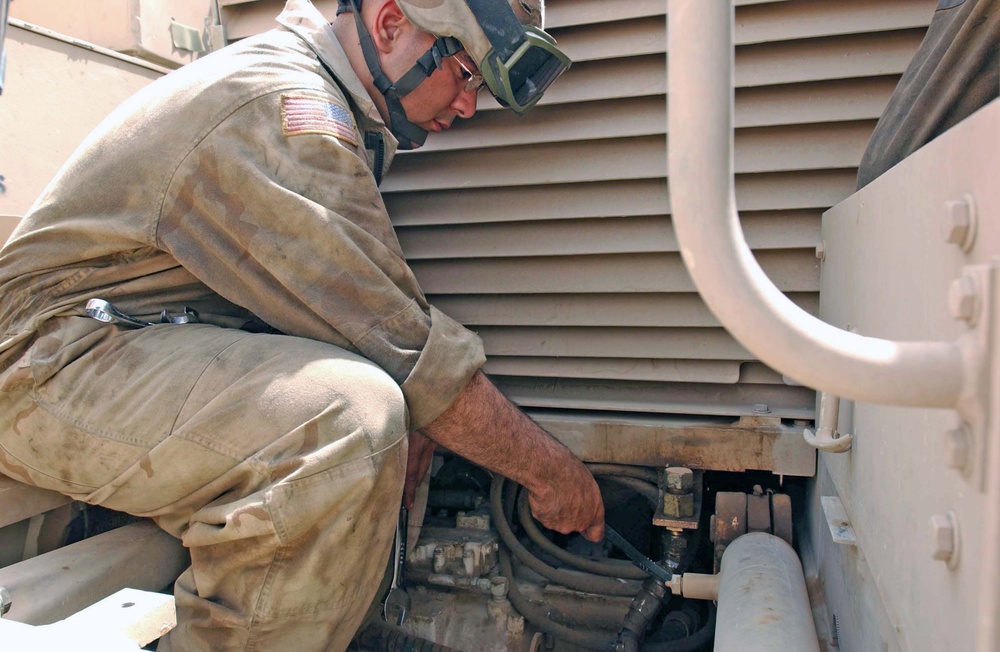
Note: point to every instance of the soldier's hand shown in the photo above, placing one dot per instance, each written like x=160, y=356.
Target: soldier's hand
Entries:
x=570, y=502
x=418, y=460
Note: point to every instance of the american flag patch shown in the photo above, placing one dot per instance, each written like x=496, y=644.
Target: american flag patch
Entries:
x=306, y=114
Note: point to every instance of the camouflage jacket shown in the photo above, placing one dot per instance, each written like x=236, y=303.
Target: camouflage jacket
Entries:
x=241, y=186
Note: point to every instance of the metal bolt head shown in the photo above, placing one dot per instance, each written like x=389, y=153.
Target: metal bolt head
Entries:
x=679, y=479
x=956, y=447
x=498, y=587
x=942, y=537
x=963, y=299
x=957, y=222
x=761, y=408
x=5, y=601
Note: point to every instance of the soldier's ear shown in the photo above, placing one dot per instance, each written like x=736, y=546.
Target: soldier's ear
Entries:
x=389, y=23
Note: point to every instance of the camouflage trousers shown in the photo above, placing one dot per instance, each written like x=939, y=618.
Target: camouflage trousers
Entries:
x=278, y=461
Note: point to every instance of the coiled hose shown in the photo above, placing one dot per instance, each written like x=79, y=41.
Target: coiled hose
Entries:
x=610, y=577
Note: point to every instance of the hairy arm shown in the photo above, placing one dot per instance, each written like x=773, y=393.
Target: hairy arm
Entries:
x=483, y=426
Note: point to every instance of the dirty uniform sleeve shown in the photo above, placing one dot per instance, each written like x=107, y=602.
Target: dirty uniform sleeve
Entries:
x=952, y=75
x=292, y=227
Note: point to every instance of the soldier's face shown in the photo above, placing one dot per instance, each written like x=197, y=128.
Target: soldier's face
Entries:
x=442, y=97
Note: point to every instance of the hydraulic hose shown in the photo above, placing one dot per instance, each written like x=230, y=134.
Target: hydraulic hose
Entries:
x=609, y=568
x=539, y=617
x=624, y=471
x=641, y=487
x=570, y=579
x=650, y=596
x=690, y=643
x=645, y=606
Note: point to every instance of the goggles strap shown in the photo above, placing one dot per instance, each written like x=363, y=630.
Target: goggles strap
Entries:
x=501, y=27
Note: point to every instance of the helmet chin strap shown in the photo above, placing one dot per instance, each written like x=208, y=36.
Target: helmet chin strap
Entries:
x=410, y=136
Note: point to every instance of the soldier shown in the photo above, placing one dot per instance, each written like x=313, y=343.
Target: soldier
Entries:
x=270, y=431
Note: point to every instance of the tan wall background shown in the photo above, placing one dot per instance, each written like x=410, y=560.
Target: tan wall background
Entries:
x=55, y=93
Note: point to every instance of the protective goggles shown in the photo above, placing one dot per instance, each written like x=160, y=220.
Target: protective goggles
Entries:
x=523, y=61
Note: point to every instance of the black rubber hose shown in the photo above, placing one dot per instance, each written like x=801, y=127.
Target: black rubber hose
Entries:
x=645, y=606
x=624, y=471
x=570, y=579
x=691, y=643
x=610, y=568
x=650, y=492
x=540, y=620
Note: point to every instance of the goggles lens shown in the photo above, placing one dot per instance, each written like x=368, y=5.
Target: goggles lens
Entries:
x=521, y=80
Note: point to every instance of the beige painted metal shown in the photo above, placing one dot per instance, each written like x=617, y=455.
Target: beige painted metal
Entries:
x=141, y=28
x=56, y=585
x=763, y=604
x=887, y=273
x=730, y=279
x=45, y=116
x=694, y=443
x=120, y=623
x=19, y=501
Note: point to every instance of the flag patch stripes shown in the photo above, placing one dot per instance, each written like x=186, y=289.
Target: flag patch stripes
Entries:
x=306, y=114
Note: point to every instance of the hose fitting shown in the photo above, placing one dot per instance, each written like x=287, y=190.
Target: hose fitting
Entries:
x=646, y=604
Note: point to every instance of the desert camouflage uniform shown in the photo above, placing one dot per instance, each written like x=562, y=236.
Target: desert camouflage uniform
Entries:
x=278, y=459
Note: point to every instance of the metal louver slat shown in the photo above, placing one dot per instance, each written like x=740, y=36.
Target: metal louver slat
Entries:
x=662, y=310
x=817, y=102
x=657, y=398
x=791, y=270
x=690, y=371
x=789, y=190
x=647, y=234
x=768, y=149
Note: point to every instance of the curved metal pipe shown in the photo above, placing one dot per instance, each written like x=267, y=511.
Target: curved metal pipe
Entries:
x=723, y=268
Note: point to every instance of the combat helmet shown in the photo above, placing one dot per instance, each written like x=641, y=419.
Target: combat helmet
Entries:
x=518, y=61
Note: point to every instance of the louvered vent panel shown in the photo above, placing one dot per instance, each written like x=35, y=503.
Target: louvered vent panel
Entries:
x=550, y=235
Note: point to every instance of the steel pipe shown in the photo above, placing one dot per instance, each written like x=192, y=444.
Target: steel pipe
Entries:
x=732, y=283
x=763, y=603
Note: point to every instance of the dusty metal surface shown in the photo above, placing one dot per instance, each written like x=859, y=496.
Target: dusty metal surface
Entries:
x=697, y=444
x=56, y=585
x=19, y=501
x=143, y=28
x=40, y=127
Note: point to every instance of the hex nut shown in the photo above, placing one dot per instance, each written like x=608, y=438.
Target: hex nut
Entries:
x=963, y=300
x=957, y=222
x=957, y=448
x=679, y=479
x=943, y=537
x=678, y=506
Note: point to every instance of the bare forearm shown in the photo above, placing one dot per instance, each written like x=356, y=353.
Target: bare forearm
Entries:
x=483, y=426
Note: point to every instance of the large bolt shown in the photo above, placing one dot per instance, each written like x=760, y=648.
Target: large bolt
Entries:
x=959, y=224
x=678, y=500
x=963, y=300
x=498, y=588
x=956, y=445
x=680, y=479
x=944, y=538
x=5, y=601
